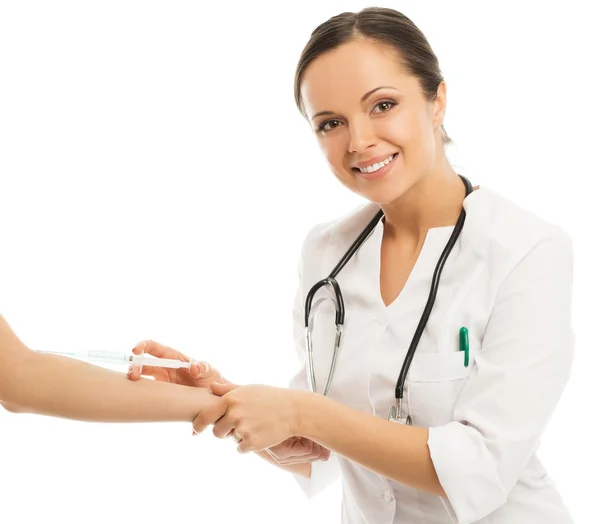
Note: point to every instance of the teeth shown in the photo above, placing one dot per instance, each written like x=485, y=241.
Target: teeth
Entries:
x=376, y=167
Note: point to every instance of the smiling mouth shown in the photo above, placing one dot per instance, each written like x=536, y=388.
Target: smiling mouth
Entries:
x=375, y=167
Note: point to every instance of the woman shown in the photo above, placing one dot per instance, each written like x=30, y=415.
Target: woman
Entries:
x=58, y=386
x=449, y=434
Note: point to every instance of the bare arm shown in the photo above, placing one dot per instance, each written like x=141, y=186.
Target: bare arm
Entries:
x=393, y=450
x=58, y=386
x=293, y=455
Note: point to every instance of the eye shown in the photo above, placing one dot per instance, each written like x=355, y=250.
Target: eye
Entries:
x=328, y=125
x=383, y=107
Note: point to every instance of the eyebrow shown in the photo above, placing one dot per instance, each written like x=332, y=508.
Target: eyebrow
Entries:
x=362, y=99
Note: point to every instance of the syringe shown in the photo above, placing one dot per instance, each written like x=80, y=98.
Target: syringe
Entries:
x=113, y=357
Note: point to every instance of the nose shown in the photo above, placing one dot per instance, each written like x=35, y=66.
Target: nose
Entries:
x=362, y=135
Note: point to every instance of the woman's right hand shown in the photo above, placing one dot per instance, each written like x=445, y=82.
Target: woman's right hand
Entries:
x=296, y=450
x=200, y=374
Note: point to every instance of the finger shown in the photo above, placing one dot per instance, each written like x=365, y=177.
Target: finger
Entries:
x=298, y=459
x=301, y=450
x=324, y=453
x=293, y=458
x=244, y=447
x=303, y=458
x=133, y=373
x=284, y=448
x=243, y=441
x=198, y=426
x=222, y=389
x=304, y=447
x=148, y=346
x=158, y=350
x=209, y=415
x=223, y=427
x=200, y=369
x=272, y=454
x=283, y=460
x=194, y=370
x=316, y=455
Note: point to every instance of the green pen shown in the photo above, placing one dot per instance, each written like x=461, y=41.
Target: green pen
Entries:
x=463, y=339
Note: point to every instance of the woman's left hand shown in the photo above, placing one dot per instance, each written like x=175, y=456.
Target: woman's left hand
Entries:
x=262, y=416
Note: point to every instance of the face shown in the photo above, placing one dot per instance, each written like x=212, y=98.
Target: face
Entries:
x=376, y=128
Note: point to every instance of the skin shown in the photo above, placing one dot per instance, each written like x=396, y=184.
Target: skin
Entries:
x=293, y=454
x=362, y=104
x=362, y=121
x=53, y=385
x=423, y=191
x=355, y=120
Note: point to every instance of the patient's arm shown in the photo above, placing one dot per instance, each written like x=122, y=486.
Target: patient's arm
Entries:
x=58, y=386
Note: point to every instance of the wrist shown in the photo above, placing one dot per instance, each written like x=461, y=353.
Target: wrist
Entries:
x=308, y=408
x=200, y=399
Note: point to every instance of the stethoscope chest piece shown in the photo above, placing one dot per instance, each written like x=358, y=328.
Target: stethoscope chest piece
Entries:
x=395, y=415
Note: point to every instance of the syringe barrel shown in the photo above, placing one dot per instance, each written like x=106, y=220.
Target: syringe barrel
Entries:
x=146, y=360
x=107, y=356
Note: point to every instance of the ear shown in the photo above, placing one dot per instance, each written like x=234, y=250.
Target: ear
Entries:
x=439, y=106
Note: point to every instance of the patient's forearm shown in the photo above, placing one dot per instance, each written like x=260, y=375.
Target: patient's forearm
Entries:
x=63, y=387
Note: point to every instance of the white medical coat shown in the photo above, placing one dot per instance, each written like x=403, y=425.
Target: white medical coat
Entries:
x=509, y=281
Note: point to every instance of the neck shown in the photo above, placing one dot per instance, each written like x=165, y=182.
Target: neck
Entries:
x=435, y=201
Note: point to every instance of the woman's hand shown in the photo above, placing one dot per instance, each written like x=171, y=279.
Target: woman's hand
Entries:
x=200, y=374
x=257, y=416
x=296, y=450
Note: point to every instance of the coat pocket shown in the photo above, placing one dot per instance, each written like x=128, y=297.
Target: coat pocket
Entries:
x=434, y=384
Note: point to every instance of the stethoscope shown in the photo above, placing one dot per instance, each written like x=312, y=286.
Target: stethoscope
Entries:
x=395, y=413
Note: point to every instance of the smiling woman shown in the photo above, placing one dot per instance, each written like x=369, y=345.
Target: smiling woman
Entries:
x=404, y=112
x=447, y=318
x=159, y=183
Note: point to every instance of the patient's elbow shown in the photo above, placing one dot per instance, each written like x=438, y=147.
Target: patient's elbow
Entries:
x=14, y=395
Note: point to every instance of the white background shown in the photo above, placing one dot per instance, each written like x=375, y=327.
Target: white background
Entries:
x=157, y=182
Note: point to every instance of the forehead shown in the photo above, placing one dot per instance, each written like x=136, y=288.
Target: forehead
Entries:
x=343, y=75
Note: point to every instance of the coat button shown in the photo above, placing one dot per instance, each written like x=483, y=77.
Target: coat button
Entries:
x=388, y=496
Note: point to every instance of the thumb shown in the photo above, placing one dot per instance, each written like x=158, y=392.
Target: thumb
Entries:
x=134, y=373
x=222, y=389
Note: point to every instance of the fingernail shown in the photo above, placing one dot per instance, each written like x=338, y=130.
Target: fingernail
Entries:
x=129, y=372
x=194, y=433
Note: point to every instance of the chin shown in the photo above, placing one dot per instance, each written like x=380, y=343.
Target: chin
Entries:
x=385, y=193
x=381, y=196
